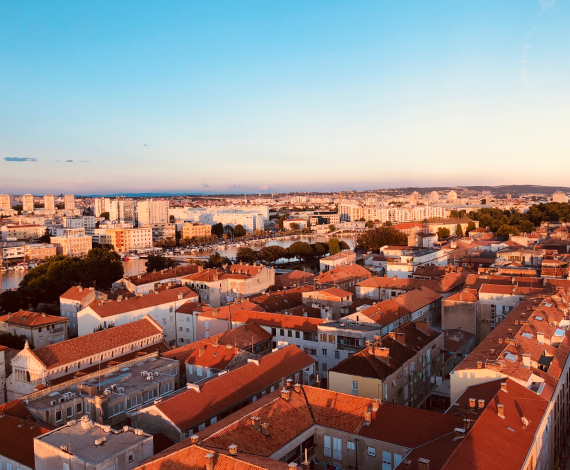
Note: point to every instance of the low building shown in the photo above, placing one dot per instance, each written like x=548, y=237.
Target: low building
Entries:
x=202, y=405
x=149, y=282
x=124, y=240
x=72, y=301
x=77, y=245
x=17, y=435
x=339, y=259
x=344, y=277
x=337, y=300
x=40, y=329
x=39, y=251
x=22, y=232
x=44, y=366
x=402, y=367
x=83, y=444
x=191, y=230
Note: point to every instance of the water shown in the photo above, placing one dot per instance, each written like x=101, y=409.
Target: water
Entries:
x=11, y=279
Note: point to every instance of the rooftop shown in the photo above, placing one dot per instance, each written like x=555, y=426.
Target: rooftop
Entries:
x=31, y=319
x=76, y=293
x=179, y=271
x=17, y=438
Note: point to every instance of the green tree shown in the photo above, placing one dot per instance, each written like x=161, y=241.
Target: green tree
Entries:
x=388, y=224
x=105, y=215
x=216, y=261
x=459, y=230
x=246, y=255
x=343, y=245
x=218, y=229
x=470, y=226
x=376, y=238
x=301, y=250
x=229, y=229
x=172, y=219
x=158, y=263
x=369, y=224
x=103, y=267
x=12, y=341
x=454, y=215
x=46, y=237
x=294, y=226
x=332, y=228
x=318, y=249
x=240, y=231
x=334, y=246
x=11, y=301
x=505, y=230
x=443, y=232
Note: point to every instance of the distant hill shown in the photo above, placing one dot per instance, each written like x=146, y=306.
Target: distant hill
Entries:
x=509, y=188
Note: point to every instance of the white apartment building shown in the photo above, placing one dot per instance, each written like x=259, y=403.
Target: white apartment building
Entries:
x=250, y=217
x=74, y=242
x=49, y=203
x=69, y=201
x=119, y=209
x=152, y=211
x=127, y=239
x=22, y=232
x=161, y=306
x=350, y=211
x=5, y=202
x=28, y=203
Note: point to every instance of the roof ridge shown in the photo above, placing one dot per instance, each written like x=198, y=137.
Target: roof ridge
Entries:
x=308, y=405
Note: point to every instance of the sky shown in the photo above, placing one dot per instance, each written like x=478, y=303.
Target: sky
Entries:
x=272, y=96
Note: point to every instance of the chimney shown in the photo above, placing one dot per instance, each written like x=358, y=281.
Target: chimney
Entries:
x=479, y=365
x=472, y=402
x=540, y=337
x=401, y=337
x=85, y=422
x=180, y=295
x=367, y=417
x=194, y=439
x=292, y=466
x=298, y=388
x=233, y=449
x=209, y=461
x=407, y=464
x=289, y=383
x=286, y=394
x=256, y=422
x=526, y=362
x=265, y=429
x=375, y=404
x=423, y=464
x=481, y=403
x=501, y=411
x=504, y=386
x=392, y=334
x=306, y=464
x=383, y=354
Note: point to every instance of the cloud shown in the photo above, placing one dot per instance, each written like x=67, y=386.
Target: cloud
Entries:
x=265, y=187
x=232, y=186
x=204, y=185
x=20, y=159
x=524, y=73
x=546, y=4
x=68, y=161
x=84, y=161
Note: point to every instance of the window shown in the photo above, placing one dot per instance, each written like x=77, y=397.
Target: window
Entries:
x=168, y=387
x=65, y=466
x=324, y=368
x=58, y=416
x=79, y=408
x=273, y=331
x=282, y=332
x=214, y=420
x=331, y=339
x=355, y=386
x=88, y=408
x=327, y=446
x=297, y=335
x=190, y=369
x=324, y=352
x=350, y=445
x=199, y=371
x=131, y=458
x=372, y=452
x=201, y=427
x=337, y=448
x=386, y=460
x=337, y=354
x=69, y=412
x=118, y=408
x=290, y=333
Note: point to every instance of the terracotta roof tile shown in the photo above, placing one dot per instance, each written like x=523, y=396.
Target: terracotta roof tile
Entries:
x=293, y=278
x=76, y=293
x=179, y=271
x=31, y=319
x=17, y=439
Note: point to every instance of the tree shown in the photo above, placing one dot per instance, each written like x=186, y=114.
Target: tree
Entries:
x=12, y=341
x=105, y=215
x=319, y=249
x=217, y=261
x=443, y=232
x=389, y=224
x=46, y=237
x=343, y=245
x=301, y=250
x=172, y=219
x=459, y=230
x=470, y=226
x=240, y=231
x=229, y=229
x=294, y=226
x=103, y=267
x=377, y=238
x=273, y=253
x=158, y=263
x=505, y=230
x=218, y=229
x=334, y=246
x=332, y=228
x=11, y=301
x=246, y=255
x=369, y=224
x=454, y=214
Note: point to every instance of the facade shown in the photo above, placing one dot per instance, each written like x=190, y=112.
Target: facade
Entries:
x=126, y=239
x=17, y=435
x=72, y=301
x=39, y=251
x=39, y=329
x=149, y=282
x=84, y=444
x=22, y=232
x=152, y=211
x=344, y=277
x=49, y=203
x=560, y=197
x=336, y=299
x=191, y=230
x=49, y=363
x=73, y=244
x=161, y=306
x=340, y=259
x=69, y=202
x=462, y=311
x=5, y=202
x=28, y=203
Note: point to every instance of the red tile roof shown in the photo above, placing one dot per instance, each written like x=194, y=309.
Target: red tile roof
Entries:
x=466, y=295
x=112, y=308
x=76, y=293
x=384, y=312
x=342, y=274
x=17, y=409
x=31, y=319
x=188, y=408
x=417, y=299
x=278, y=320
x=293, y=278
x=73, y=350
x=179, y=271
x=17, y=438
x=332, y=293
x=212, y=356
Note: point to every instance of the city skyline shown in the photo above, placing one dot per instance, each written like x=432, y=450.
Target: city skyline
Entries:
x=206, y=98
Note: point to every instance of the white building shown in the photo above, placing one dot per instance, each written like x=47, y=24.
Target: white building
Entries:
x=152, y=212
x=49, y=203
x=559, y=196
x=5, y=202
x=28, y=203
x=69, y=201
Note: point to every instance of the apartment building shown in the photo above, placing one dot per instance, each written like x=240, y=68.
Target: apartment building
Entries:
x=529, y=348
x=126, y=239
x=73, y=243
x=402, y=367
x=161, y=306
x=52, y=362
x=149, y=282
x=28, y=203
x=86, y=444
x=337, y=300
x=162, y=231
x=72, y=301
x=49, y=203
x=152, y=211
x=344, y=277
x=5, y=202
x=22, y=232
x=201, y=405
x=462, y=311
x=40, y=329
x=191, y=230
x=39, y=251
x=339, y=259
x=106, y=395
x=69, y=202
x=351, y=211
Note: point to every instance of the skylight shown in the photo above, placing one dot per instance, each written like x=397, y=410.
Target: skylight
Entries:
x=538, y=318
x=527, y=335
x=510, y=357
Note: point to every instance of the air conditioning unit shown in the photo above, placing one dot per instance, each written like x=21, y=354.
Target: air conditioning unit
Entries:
x=52, y=403
x=107, y=391
x=121, y=389
x=156, y=374
x=143, y=372
x=150, y=378
x=61, y=400
x=113, y=387
x=71, y=395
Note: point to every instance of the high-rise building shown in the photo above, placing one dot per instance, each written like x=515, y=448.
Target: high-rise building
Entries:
x=69, y=202
x=49, y=202
x=28, y=203
x=151, y=212
x=5, y=202
x=559, y=196
x=433, y=196
x=451, y=196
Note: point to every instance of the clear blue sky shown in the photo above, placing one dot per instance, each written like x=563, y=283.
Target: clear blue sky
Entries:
x=282, y=95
